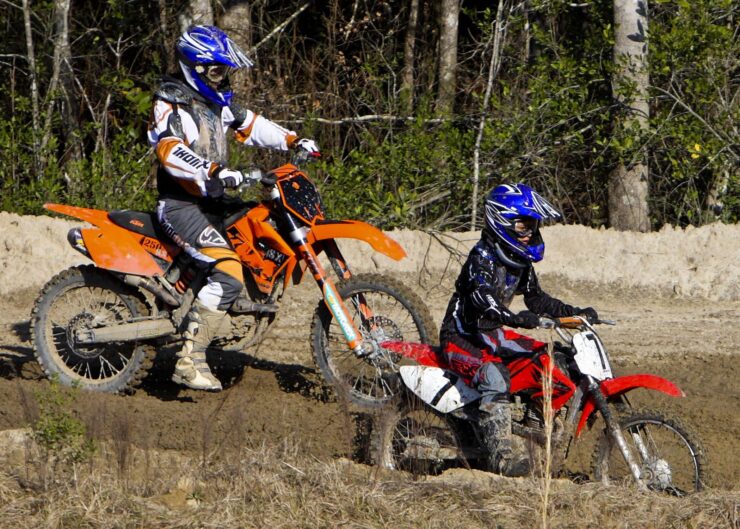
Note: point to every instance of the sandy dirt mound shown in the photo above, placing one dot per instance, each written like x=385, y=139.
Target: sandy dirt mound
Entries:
x=674, y=293
x=691, y=262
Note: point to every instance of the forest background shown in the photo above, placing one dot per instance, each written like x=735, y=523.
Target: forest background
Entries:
x=420, y=106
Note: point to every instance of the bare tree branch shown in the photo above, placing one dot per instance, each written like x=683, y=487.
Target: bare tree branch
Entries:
x=280, y=27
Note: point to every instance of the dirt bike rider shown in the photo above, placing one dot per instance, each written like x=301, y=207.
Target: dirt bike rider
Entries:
x=191, y=115
x=472, y=338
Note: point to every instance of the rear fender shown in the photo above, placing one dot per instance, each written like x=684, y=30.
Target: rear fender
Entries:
x=355, y=229
x=620, y=385
x=110, y=246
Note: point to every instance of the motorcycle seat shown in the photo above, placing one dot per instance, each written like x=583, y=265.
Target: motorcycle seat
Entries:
x=142, y=222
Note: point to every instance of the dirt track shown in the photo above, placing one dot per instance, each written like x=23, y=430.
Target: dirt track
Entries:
x=280, y=397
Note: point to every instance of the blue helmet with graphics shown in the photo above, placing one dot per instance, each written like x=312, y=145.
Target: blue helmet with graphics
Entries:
x=509, y=203
x=207, y=56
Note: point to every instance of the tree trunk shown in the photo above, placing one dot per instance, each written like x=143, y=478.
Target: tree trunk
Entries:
x=35, y=112
x=168, y=42
x=237, y=23
x=448, y=22
x=499, y=33
x=628, y=182
x=198, y=12
x=409, y=48
x=68, y=103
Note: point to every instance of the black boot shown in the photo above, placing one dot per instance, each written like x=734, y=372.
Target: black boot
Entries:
x=495, y=429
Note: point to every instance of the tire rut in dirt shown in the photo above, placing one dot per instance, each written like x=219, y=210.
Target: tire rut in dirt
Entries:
x=396, y=313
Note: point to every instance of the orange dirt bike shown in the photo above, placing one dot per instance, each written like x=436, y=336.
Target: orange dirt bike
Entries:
x=99, y=326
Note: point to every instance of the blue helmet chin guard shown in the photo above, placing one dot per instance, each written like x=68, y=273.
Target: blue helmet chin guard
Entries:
x=203, y=46
x=506, y=204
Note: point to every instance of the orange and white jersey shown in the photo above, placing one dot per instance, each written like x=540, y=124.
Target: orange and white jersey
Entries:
x=190, y=139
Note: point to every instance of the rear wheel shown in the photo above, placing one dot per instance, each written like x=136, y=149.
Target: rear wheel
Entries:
x=84, y=297
x=382, y=309
x=670, y=458
x=414, y=439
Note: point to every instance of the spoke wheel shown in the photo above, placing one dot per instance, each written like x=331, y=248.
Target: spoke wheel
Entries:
x=85, y=298
x=670, y=458
x=382, y=309
x=415, y=439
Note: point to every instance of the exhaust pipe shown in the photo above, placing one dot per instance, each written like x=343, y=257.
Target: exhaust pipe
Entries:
x=153, y=287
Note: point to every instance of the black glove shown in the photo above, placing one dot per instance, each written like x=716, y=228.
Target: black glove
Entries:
x=527, y=320
x=269, y=179
x=589, y=313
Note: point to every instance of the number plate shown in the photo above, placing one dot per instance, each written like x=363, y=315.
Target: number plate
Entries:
x=590, y=356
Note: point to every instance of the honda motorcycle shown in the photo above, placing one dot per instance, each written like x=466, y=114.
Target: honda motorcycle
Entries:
x=435, y=423
x=98, y=326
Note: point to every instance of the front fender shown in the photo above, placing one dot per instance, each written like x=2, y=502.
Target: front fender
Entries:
x=355, y=229
x=617, y=386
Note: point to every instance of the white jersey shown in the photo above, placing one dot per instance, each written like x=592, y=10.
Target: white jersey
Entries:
x=189, y=137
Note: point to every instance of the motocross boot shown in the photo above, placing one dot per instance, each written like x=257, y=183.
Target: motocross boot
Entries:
x=191, y=368
x=495, y=429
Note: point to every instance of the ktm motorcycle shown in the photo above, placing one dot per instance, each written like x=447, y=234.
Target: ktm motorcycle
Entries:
x=99, y=326
x=434, y=425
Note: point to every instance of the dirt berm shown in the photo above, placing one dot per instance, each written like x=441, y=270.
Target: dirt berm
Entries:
x=675, y=295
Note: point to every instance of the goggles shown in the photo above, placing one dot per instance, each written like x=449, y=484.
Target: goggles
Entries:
x=215, y=73
x=524, y=227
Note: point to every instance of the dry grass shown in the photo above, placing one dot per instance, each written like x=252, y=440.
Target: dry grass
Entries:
x=276, y=487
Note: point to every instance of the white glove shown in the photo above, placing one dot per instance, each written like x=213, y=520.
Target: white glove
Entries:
x=230, y=177
x=308, y=146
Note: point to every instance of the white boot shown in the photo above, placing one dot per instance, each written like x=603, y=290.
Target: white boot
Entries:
x=191, y=368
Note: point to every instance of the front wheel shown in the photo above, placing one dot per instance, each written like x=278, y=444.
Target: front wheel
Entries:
x=382, y=309
x=83, y=297
x=670, y=458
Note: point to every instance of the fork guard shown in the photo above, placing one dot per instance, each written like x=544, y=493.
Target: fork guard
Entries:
x=354, y=229
x=617, y=386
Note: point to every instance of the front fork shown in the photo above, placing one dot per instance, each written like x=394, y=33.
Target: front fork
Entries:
x=613, y=429
x=331, y=297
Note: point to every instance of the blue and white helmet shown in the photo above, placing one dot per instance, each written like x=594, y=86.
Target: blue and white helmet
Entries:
x=506, y=204
x=207, y=56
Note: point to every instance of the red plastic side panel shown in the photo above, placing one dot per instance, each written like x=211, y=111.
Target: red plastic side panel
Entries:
x=424, y=354
x=355, y=229
x=619, y=385
x=527, y=374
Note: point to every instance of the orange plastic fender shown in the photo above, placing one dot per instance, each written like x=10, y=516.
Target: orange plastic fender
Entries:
x=355, y=229
x=619, y=385
x=110, y=246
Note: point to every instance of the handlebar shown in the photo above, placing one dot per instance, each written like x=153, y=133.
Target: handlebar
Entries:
x=269, y=179
x=571, y=322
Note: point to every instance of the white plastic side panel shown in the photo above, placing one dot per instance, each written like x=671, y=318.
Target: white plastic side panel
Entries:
x=591, y=357
x=442, y=390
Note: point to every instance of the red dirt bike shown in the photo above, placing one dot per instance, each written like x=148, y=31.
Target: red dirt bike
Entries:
x=98, y=326
x=435, y=424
